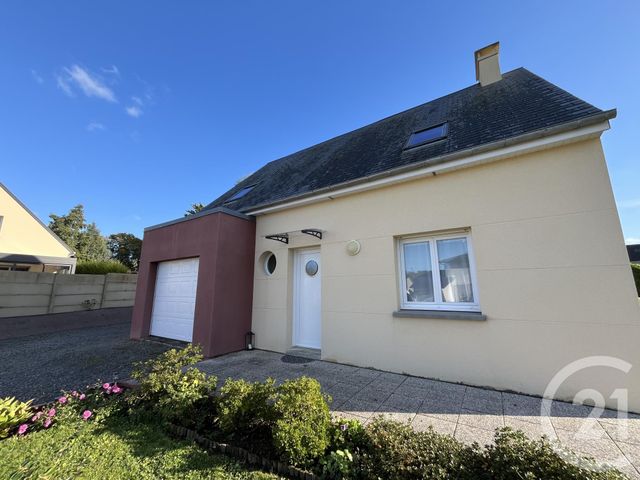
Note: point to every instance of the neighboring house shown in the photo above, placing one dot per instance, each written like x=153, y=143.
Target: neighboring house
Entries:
x=27, y=244
x=634, y=253
x=473, y=239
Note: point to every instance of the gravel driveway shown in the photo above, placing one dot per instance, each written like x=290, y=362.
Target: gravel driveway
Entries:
x=39, y=366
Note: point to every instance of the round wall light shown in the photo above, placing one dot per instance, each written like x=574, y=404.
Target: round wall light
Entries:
x=353, y=247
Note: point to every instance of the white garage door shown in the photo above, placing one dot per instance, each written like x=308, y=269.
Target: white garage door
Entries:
x=174, y=301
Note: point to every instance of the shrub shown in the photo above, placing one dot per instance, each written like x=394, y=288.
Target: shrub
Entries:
x=301, y=431
x=636, y=276
x=291, y=421
x=346, y=440
x=246, y=409
x=338, y=465
x=515, y=456
x=12, y=413
x=346, y=435
x=168, y=387
x=100, y=267
x=394, y=451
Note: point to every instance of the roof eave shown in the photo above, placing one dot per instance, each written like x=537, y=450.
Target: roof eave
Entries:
x=202, y=213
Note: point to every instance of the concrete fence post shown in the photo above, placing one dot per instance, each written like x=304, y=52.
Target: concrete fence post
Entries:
x=104, y=289
x=52, y=297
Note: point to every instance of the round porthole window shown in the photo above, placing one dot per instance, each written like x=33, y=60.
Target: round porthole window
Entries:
x=311, y=268
x=270, y=263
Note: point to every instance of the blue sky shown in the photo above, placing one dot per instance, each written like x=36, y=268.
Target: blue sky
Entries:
x=138, y=109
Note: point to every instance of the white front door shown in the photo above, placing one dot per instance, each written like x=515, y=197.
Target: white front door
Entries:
x=174, y=300
x=307, y=308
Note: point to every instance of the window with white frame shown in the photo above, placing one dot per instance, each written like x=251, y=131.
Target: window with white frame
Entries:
x=438, y=273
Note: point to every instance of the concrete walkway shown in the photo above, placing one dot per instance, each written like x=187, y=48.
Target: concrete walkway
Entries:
x=468, y=413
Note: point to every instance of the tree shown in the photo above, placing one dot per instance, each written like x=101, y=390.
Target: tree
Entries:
x=84, y=238
x=126, y=248
x=195, y=208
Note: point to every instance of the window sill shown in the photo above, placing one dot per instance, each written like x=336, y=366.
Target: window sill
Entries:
x=440, y=314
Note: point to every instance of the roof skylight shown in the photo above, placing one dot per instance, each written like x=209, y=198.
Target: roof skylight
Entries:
x=428, y=135
x=240, y=193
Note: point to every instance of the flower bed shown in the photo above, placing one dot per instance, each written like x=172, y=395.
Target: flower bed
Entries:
x=287, y=429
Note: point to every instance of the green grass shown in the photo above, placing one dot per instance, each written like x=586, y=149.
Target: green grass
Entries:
x=114, y=447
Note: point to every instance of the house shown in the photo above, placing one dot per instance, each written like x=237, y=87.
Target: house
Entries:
x=472, y=239
x=27, y=244
x=634, y=253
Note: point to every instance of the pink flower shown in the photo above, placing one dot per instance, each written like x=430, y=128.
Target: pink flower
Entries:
x=62, y=400
x=37, y=416
x=86, y=415
x=109, y=391
x=105, y=386
x=22, y=429
x=74, y=393
x=82, y=396
x=116, y=389
x=51, y=413
x=47, y=423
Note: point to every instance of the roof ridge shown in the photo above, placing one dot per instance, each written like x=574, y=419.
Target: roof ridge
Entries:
x=521, y=103
x=402, y=112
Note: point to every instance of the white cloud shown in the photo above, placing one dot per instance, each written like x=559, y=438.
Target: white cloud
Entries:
x=63, y=85
x=81, y=79
x=137, y=100
x=631, y=240
x=629, y=203
x=36, y=76
x=95, y=126
x=112, y=70
x=134, y=111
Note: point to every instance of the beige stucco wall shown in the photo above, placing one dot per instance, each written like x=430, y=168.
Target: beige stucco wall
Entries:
x=23, y=234
x=553, y=276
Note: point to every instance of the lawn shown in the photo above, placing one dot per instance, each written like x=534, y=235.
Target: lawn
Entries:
x=114, y=447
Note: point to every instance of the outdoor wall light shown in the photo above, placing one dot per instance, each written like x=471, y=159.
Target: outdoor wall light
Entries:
x=249, y=340
x=353, y=247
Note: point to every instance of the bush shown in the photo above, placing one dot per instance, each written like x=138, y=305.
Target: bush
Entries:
x=346, y=438
x=100, y=267
x=12, y=413
x=515, y=456
x=392, y=450
x=346, y=435
x=246, y=409
x=636, y=276
x=301, y=431
x=290, y=421
x=169, y=388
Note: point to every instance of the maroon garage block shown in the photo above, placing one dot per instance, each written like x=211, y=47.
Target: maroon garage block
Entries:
x=224, y=241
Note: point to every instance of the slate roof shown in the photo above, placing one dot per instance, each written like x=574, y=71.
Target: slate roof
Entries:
x=520, y=103
x=634, y=253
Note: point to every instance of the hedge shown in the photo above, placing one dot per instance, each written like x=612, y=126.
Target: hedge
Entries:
x=100, y=267
x=635, y=268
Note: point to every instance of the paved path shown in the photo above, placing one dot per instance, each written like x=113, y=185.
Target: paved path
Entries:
x=468, y=413
x=39, y=366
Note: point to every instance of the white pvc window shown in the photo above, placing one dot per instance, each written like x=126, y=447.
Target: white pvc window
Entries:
x=438, y=273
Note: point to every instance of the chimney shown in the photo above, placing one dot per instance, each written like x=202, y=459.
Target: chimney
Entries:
x=487, y=66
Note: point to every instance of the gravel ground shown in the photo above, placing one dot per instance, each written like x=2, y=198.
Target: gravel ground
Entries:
x=39, y=366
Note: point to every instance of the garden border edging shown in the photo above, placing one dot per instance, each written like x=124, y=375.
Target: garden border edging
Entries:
x=242, y=454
